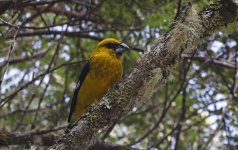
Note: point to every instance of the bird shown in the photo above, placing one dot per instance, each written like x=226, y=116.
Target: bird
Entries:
x=102, y=70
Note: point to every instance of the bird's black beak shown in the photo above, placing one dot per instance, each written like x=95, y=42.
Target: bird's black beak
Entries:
x=122, y=48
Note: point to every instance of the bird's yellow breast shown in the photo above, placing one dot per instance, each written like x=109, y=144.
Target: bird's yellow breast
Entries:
x=105, y=70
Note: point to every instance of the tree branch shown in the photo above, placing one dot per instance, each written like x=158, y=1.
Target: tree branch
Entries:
x=152, y=71
x=42, y=137
x=107, y=146
x=216, y=62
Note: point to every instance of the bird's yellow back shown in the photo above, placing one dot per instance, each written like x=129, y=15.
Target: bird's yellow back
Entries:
x=103, y=69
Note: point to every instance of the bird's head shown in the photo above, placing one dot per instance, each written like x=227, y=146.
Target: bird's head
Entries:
x=112, y=46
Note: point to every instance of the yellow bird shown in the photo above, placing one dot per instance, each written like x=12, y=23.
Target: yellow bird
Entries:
x=102, y=70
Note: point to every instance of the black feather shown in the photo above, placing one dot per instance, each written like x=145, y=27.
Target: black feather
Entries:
x=76, y=90
x=112, y=45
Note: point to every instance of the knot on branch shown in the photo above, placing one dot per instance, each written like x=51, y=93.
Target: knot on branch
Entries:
x=218, y=15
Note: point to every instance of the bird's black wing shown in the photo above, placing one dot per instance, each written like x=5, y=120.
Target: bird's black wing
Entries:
x=76, y=90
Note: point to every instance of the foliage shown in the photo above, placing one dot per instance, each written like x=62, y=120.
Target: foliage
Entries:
x=44, y=45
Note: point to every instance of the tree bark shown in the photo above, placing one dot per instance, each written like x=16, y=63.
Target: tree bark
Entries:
x=106, y=146
x=153, y=70
x=43, y=137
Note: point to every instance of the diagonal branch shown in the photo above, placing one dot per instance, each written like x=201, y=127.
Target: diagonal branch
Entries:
x=152, y=71
x=222, y=63
x=40, y=137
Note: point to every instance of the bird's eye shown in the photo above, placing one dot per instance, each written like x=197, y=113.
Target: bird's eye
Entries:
x=111, y=45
